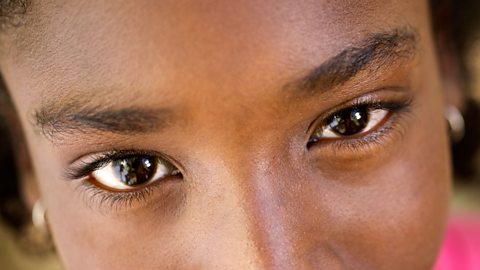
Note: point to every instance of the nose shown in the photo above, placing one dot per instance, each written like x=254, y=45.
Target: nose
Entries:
x=259, y=216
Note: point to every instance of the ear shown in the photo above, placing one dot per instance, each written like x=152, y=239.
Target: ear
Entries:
x=26, y=189
x=29, y=190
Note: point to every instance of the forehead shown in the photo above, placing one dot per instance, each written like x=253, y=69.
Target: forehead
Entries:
x=174, y=47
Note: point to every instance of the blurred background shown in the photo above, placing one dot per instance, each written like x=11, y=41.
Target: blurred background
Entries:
x=467, y=191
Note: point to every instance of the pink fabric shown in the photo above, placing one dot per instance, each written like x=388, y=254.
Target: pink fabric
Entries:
x=461, y=247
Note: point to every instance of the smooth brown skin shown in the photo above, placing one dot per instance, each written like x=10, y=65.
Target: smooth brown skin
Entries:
x=252, y=196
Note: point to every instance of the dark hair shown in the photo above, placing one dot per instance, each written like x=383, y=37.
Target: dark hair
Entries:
x=458, y=21
x=11, y=11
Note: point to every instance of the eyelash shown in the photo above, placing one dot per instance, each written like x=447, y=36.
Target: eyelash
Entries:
x=101, y=196
x=85, y=168
x=375, y=136
x=114, y=200
x=119, y=200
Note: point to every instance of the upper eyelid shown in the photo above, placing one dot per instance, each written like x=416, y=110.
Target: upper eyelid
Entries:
x=372, y=109
x=366, y=99
x=114, y=153
x=391, y=126
x=401, y=104
x=80, y=168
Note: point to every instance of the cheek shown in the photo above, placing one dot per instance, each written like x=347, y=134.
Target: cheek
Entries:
x=397, y=208
x=391, y=216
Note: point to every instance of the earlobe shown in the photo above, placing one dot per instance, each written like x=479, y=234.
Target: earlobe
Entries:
x=27, y=181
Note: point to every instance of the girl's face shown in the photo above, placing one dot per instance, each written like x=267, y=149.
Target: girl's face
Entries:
x=234, y=134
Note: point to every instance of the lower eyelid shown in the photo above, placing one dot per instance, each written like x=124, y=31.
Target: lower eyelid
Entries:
x=365, y=143
x=390, y=128
x=103, y=200
x=96, y=197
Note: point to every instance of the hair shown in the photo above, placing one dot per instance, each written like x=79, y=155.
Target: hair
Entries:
x=10, y=10
x=456, y=21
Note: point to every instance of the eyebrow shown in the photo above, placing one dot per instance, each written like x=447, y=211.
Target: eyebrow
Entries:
x=76, y=116
x=381, y=49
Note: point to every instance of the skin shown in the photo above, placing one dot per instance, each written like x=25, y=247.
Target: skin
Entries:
x=227, y=78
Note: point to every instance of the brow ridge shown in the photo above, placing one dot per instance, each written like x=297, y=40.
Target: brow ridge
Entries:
x=68, y=120
x=381, y=49
x=76, y=116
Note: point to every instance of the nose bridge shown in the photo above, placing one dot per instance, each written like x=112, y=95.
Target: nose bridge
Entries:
x=266, y=206
x=259, y=190
x=268, y=203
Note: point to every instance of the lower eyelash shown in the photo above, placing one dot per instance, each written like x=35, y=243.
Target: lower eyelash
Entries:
x=99, y=198
x=397, y=109
x=355, y=145
x=378, y=137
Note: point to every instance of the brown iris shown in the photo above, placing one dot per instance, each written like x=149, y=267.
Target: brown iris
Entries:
x=134, y=171
x=349, y=122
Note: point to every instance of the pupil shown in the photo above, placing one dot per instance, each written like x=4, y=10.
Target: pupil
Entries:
x=350, y=122
x=135, y=170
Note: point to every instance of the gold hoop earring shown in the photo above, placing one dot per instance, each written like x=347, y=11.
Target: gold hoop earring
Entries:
x=456, y=123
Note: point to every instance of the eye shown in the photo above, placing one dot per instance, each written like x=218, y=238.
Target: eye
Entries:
x=350, y=122
x=132, y=172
